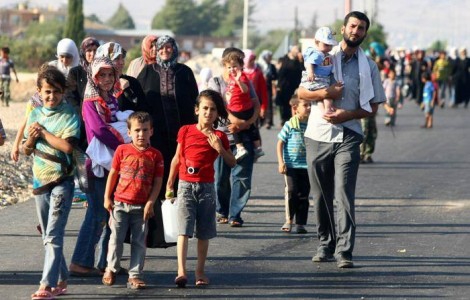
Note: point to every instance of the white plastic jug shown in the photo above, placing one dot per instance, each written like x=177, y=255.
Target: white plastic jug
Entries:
x=170, y=220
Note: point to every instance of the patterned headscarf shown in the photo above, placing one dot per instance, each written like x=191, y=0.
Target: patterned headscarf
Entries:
x=87, y=43
x=147, y=44
x=161, y=41
x=92, y=91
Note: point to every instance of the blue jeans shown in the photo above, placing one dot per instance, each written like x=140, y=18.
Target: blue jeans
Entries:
x=127, y=216
x=91, y=230
x=222, y=187
x=53, y=210
x=241, y=183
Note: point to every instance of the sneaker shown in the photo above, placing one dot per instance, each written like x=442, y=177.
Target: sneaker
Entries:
x=258, y=153
x=323, y=255
x=241, y=153
x=344, y=261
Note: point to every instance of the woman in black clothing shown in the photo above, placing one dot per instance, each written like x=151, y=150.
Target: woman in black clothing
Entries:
x=170, y=97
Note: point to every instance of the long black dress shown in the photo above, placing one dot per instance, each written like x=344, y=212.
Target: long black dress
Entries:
x=170, y=97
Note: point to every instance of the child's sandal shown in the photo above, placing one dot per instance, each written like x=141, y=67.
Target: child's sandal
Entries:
x=109, y=278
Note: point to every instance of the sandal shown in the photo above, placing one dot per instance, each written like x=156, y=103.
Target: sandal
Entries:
x=58, y=291
x=181, y=281
x=287, y=227
x=202, y=282
x=42, y=295
x=234, y=223
x=109, y=278
x=222, y=220
x=136, y=284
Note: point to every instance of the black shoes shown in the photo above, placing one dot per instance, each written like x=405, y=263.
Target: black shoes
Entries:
x=344, y=261
x=323, y=255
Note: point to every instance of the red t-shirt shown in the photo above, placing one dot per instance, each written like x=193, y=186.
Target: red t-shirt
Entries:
x=239, y=101
x=197, y=153
x=137, y=171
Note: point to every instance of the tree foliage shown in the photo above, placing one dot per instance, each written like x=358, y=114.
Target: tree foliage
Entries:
x=177, y=15
x=121, y=19
x=438, y=46
x=209, y=17
x=74, y=26
x=94, y=18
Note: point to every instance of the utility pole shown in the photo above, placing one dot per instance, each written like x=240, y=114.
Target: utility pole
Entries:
x=347, y=6
x=245, y=25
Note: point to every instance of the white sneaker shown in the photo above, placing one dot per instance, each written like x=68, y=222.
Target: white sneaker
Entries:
x=241, y=153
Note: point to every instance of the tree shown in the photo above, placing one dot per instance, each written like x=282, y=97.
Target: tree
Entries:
x=209, y=14
x=232, y=20
x=438, y=46
x=74, y=26
x=94, y=18
x=121, y=19
x=178, y=16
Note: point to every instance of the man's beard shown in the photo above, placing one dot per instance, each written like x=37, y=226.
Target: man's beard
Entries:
x=352, y=44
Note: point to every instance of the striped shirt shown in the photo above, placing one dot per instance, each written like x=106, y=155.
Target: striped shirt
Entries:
x=63, y=122
x=294, y=147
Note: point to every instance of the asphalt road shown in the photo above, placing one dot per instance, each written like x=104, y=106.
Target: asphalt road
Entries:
x=413, y=216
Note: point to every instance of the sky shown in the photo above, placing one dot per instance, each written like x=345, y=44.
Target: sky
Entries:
x=408, y=23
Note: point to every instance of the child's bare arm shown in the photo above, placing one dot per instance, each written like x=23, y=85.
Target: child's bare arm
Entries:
x=33, y=135
x=310, y=72
x=280, y=157
x=174, y=166
x=110, y=186
x=15, y=149
x=56, y=142
x=14, y=72
x=148, y=210
x=243, y=86
x=227, y=155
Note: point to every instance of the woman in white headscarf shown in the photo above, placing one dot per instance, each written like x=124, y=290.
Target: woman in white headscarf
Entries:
x=67, y=56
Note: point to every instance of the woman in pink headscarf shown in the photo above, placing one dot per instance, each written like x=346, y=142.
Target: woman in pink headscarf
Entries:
x=149, y=56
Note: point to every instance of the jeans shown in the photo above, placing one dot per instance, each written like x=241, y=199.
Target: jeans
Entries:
x=333, y=168
x=127, y=216
x=91, y=230
x=53, y=210
x=222, y=187
x=241, y=183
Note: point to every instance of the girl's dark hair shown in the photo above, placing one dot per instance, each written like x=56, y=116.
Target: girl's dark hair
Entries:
x=6, y=50
x=215, y=97
x=52, y=76
x=141, y=117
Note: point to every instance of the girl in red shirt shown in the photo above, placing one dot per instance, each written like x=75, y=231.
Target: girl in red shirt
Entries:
x=198, y=147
